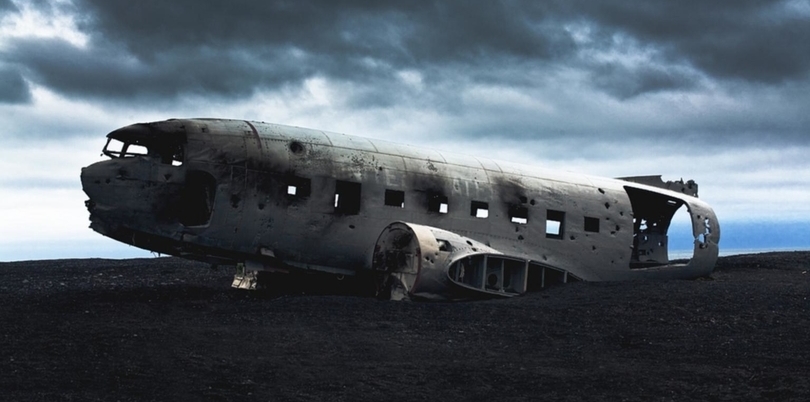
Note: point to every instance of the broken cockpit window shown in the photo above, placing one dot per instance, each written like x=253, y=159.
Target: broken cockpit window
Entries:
x=142, y=140
x=118, y=149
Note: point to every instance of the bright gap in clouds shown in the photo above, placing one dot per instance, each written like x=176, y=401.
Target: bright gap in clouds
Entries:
x=33, y=22
x=55, y=117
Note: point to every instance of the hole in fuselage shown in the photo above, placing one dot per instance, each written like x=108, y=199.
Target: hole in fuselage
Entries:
x=296, y=147
x=197, y=199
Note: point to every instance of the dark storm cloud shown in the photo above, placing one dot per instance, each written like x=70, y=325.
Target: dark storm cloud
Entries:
x=7, y=5
x=162, y=49
x=762, y=41
x=625, y=82
x=230, y=49
x=106, y=72
x=13, y=88
x=397, y=32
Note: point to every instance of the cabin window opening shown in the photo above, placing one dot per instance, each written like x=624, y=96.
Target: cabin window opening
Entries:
x=298, y=187
x=169, y=154
x=347, y=197
x=437, y=203
x=554, y=224
x=519, y=214
x=591, y=224
x=395, y=198
x=479, y=209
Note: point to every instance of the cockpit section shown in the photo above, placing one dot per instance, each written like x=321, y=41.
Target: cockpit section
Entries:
x=145, y=185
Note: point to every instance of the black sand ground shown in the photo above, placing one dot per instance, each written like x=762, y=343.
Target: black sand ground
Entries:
x=167, y=329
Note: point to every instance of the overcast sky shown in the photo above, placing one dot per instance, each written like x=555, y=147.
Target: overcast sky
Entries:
x=715, y=91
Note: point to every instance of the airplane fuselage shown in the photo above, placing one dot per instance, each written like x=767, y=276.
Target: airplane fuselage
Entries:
x=280, y=198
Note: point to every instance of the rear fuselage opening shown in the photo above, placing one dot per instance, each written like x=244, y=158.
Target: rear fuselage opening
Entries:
x=652, y=216
x=664, y=227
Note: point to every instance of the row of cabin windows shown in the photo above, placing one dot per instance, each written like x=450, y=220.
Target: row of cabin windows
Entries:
x=347, y=202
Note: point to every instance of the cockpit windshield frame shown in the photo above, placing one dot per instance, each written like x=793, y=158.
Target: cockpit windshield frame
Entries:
x=169, y=151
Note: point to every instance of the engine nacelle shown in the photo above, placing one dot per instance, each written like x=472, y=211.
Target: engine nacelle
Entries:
x=431, y=263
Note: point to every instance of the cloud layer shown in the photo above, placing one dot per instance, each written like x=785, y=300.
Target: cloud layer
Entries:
x=158, y=49
x=581, y=57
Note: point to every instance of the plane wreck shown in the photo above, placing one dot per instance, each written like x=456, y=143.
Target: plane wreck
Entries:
x=422, y=223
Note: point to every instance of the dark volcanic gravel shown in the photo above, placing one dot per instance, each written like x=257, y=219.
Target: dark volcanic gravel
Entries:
x=168, y=329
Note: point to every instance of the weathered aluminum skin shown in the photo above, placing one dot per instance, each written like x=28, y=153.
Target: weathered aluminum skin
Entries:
x=241, y=173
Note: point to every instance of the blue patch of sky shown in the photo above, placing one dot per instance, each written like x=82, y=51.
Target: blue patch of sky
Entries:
x=49, y=250
x=744, y=237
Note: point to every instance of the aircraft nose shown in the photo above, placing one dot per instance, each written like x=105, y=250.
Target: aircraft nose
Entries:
x=95, y=177
x=112, y=186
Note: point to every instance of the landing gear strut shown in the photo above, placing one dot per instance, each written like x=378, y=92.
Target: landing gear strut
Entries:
x=244, y=279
